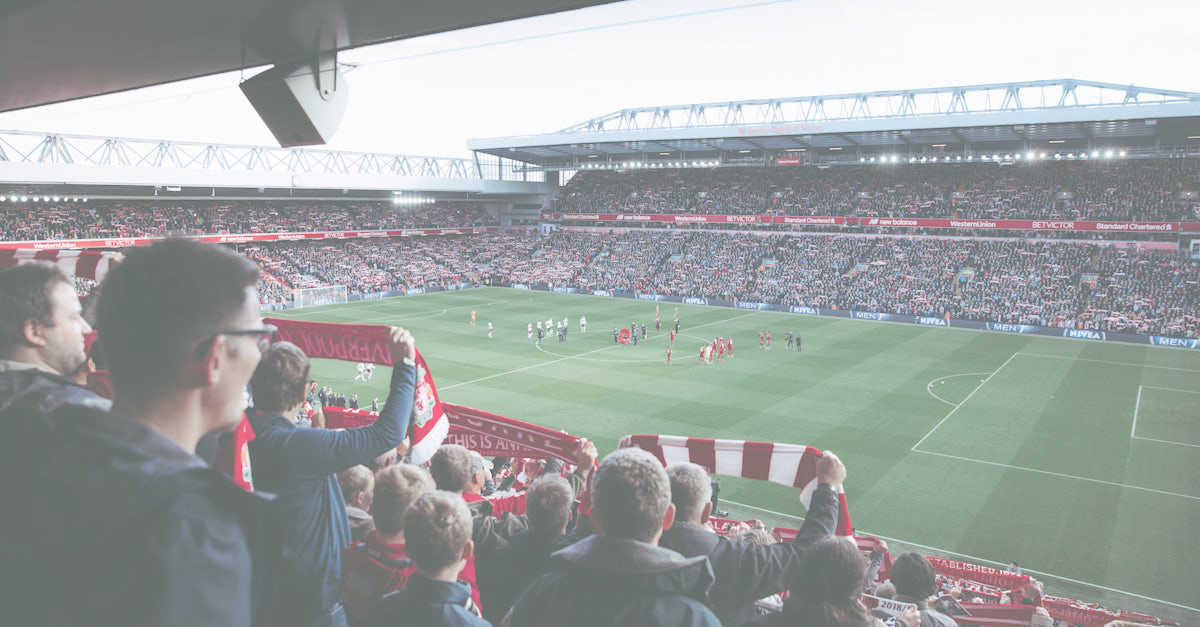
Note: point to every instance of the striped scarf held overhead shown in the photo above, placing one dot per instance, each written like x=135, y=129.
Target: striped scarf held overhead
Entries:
x=792, y=465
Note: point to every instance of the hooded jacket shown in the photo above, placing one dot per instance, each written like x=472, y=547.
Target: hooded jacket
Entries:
x=26, y=390
x=613, y=582
x=123, y=527
x=746, y=572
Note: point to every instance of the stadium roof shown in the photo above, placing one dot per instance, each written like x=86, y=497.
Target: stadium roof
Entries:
x=1064, y=114
x=58, y=50
x=36, y=161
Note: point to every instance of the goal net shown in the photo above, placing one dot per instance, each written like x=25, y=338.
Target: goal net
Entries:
x=313, y=296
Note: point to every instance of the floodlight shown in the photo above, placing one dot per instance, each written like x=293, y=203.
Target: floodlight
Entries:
x=1028, y=155
x=1095, y=153
x=894, y=158
x=1108, y=154
x=1122, y=153
x=24, y=198
x=56, y=199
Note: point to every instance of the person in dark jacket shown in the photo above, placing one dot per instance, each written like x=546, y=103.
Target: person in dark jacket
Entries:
x=437, y=529
x=42, y=343
x=299, y=465
x=826, y=589
x=745, y=571
x=621, y=577
x=915, y=582
x=125, y=525
x=548, y=505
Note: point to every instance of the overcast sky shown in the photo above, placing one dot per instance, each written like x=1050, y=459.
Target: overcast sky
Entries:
x=429, y=95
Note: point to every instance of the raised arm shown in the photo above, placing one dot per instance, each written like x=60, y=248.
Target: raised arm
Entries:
x=321, y=452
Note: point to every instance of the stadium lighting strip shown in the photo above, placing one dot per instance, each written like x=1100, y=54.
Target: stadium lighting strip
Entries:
x=650, y=165
x=998, y=158
x=27, y=198
x=399, y=199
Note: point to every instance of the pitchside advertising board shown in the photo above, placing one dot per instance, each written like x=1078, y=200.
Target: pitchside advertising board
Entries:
x=880, y=222
x=929, y=321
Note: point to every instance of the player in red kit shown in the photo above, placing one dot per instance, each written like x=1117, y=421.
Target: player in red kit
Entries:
x=668, y=355
x=761, y=340
x=672, y=336
x=768, y=340
x=731, y=347
x=721, y=350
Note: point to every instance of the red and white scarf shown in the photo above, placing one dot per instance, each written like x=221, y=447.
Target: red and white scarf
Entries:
x=789, y=464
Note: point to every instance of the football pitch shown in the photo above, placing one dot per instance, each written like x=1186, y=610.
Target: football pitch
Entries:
x=1079, y=460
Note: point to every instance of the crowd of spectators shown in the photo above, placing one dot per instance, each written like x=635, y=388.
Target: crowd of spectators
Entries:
x=1042, y=282
x=383, y=265
x=124, y=219
x=132, y=523
x=1128, y=190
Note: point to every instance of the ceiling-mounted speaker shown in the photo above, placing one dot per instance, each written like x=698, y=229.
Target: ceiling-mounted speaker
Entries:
x=302, y=105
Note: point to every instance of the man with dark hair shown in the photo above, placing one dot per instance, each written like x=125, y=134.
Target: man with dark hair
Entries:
x=358, y=488
x=380, y=564
x=745, y=571
x=548, y=505
x=299, y=464
x=41, y=343
x=131, y=527
x=915, y=582
x=438, y=531
x=621, y=576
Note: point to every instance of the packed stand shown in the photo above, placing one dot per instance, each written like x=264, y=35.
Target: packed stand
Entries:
x=1144, y=190
x=179, y=503
x=125, y=219
x=385, y=265
x=1048, y=283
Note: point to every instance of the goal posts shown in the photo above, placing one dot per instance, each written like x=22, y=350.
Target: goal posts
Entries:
x=313, y=296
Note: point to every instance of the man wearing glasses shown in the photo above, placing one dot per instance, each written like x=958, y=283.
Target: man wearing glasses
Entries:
x=300, y=464
x=125, y=525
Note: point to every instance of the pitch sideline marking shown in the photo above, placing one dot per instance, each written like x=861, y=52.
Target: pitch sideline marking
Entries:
x=981, y=559
x=1063, y=475
x=963, y=402
x=1136, y=406
x=554, y=361
x=929, y=386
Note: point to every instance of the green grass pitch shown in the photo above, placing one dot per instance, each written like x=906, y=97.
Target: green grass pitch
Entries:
x=995, y=446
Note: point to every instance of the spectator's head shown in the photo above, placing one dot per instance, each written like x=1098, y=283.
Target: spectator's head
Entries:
x=451, y=467
x=437, y=533
x=913, y=576
x=358, y=486
x=396, y=487
x=885, y=590
x=826, y=585
x=691, y=492
x=631, y=496
x=480, y=474
x=548, y=505
x=41, y=321
x=182, y=333
x=388, y=458
x=278, y=383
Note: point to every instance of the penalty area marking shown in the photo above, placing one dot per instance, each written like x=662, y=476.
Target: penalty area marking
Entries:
x=929, y=386
x=981, y=559
x=1137, y=407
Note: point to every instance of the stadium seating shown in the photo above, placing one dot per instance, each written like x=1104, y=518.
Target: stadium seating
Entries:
x=98, y=219
x=1049, y=283
x=1135, y=190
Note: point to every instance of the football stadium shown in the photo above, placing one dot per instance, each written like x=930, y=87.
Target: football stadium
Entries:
x=915, y=356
